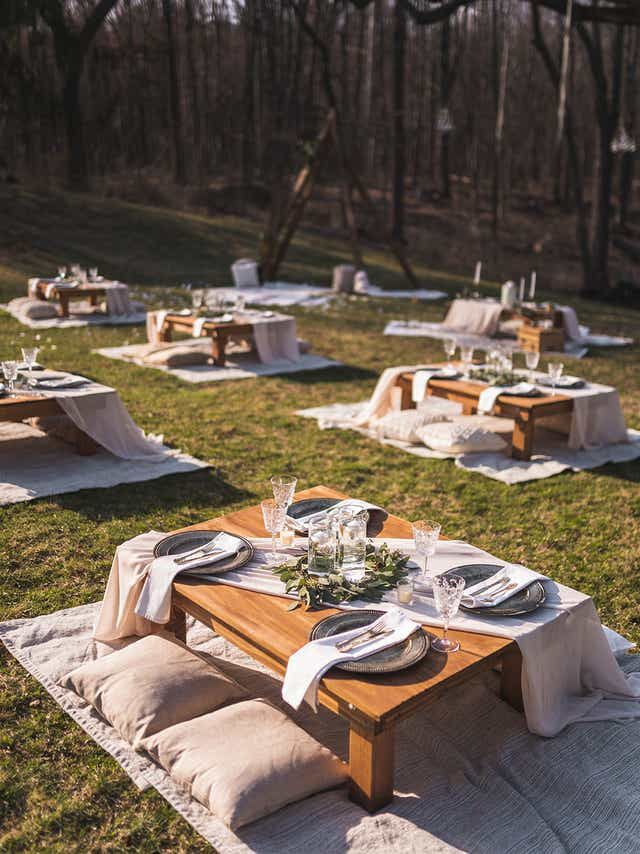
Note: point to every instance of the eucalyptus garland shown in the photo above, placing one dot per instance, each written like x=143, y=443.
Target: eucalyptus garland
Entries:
x=384, y=568
x=493, y=377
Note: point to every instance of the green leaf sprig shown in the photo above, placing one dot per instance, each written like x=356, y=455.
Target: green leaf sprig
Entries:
x=384, y=568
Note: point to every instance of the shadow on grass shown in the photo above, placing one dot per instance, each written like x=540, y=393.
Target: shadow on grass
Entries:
x=343, y=374
x=629, y=471
x=188, y=491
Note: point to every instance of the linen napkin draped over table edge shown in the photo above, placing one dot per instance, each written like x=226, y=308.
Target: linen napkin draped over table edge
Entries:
x=98, y=411
x=569, y=671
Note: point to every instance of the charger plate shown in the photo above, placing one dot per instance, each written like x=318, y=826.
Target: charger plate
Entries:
x=523, y=602
x=394, y=658
x=184, y=541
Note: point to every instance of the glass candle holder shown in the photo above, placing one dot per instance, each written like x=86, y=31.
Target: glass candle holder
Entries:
x=323, y=544
x=404, y=591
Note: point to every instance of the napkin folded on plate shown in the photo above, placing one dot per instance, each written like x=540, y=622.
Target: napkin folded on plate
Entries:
x=308, y=665
x=488, y=397
x=302, y=523
x=68, y=381
x=199, y=323
x=154, y=602
x=515, y=572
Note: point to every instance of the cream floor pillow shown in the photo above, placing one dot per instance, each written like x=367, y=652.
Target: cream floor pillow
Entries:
x=465, y=438
x=150, y=685
x=177, y=356
x=404, y=426
x=245, y=761
x=39, y=310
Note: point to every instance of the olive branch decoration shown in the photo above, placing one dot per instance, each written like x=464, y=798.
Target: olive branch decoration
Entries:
x=384, y=568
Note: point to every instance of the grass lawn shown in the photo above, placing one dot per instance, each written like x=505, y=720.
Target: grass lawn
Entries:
x=58, y=790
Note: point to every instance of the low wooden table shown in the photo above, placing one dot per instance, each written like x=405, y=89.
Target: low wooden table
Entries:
x=64, y=295
x=539, y=339
x=261, y=626
x=220, y=333
x=20, y=408
x=525, y=411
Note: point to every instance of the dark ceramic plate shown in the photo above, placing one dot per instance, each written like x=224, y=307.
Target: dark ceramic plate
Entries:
x=523, y=602
x=309, y=506
x=184, y=541
x=390, y=660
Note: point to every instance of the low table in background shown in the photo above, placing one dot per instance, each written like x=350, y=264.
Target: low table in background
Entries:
x=260, y=625
x=65, y=295
x=540, y=339
x=524, y=411
x=21, y=408
x=220, y=333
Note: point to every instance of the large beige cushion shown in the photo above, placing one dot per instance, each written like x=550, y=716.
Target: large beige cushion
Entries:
x=404, y=426
x=245, y=761
x=57, y=426
x=39, y=310
x=152, y=684
x=177, y=356
x=461, y=438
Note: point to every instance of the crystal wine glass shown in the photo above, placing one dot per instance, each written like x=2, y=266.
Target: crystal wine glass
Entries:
x=532, y=359
x=10, y=371
x=29, y=356
x=554, y=370
x=466, y=354
x=425, y=538
x=93, y=273
x=447, y=592
x=62, y=272
x=450, y=348
x=284, y=487
x=273, y=515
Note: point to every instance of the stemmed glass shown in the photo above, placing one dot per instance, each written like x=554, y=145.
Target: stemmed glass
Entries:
x=10, y=371
x=93, y=273
x=466, y=354
x=532, y=359
x=29, y=355
x=447, y=592
x=197, y=300
x=554, y=370
x=284, y=487
x=62, y=272
x=450, y=348
x=273, y=515
x=425, y=538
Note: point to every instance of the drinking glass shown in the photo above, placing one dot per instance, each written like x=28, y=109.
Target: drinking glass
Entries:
x=284, y=487
x=554, y=370
x=450, y=348
x=352, y=546
x=532, y=359
x=447, y=592
x=466, y=354
x=62, y=272
x=425, y=539
x=93, y=273
x=506, y=360
x=75, y=270
x=197, y=300
x=322, y=544
x=29, y=356
x=10, y=371
x=273, y=515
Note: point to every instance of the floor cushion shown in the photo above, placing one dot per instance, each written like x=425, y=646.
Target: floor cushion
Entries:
x=403, y=426
x=152, y=684
x=39, y=309
x=460, y=438
x=245, y=761
x=177, y=356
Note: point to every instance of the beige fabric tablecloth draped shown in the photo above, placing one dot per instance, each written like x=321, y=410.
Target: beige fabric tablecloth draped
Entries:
x=98, y=411
x=116, y=293
x=275, y=337
x=569, y=673
x=473, y=316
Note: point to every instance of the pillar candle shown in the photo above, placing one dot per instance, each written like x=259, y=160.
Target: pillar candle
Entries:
x=532, y=288
x=522, y=289
x=476, y=275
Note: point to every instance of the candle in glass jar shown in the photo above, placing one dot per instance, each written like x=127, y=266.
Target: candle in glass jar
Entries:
x=405, y=592
x=287, y=536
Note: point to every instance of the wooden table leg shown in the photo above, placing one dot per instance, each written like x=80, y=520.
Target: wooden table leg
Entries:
x=371, y=759
x=218, y=342
x=177, y=625
x=522, y=440
x=64, y=305
x=165, y=333
x=406, y=399
x=511, y=679
x=93, y=300
x=85, y=445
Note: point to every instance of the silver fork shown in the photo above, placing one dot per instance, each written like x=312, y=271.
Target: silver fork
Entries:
x=372, y=627
x=201, y=552
x=373, y=631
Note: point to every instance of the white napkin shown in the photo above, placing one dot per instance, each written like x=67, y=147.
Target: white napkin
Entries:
x=302, y=523
x=421, y=380
x=488, y=397
x=155, y=598
x=515, y=572
x=308, y=665
x=68, y=381
x=198, y=325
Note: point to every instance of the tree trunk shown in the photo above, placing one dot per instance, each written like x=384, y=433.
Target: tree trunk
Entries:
x=499, y=126
x=399, y=165
x=179, y=169
x=77, y=170
x=444, y=104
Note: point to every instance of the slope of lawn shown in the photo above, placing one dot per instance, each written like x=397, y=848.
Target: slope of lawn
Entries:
x=58, y=790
